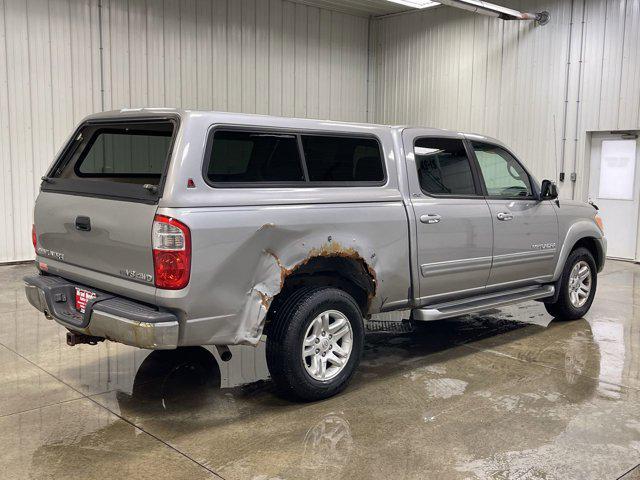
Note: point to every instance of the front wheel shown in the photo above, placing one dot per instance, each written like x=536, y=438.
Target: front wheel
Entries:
x=577, y=286
x=314, y=343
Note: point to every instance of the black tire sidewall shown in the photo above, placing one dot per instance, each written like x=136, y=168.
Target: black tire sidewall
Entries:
x=580, y=254
x=350, y=310
x=291, y=343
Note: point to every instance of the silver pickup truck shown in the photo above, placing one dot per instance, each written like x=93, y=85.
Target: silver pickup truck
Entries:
x=164, y=228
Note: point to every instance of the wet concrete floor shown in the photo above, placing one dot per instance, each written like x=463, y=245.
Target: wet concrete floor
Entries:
x=507, y=394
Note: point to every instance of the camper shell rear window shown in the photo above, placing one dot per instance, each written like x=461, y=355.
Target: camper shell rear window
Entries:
x=119, y=159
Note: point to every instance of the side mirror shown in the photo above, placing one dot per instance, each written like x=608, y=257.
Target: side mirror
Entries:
x=548, y=190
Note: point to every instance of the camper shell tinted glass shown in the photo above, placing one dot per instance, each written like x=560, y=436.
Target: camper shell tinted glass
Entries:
x=254, y=157
x=115, y=159
x=246, y=157
x=342, y=159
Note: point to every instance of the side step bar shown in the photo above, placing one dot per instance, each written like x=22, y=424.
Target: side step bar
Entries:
x=481, y=302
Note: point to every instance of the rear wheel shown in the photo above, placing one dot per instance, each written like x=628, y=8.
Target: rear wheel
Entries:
x=314, y=343
x=577, y=286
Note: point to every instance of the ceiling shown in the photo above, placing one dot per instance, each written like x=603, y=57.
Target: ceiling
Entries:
x=359, y=7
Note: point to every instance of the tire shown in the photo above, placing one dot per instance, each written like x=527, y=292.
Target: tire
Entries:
x=301, y=316
x=566, y=307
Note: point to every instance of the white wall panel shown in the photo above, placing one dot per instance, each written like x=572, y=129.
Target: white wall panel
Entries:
x=451, y=69
x=7, y=199
x=49, y=79
x=270, y=50
x=610, y=96
x=257, y=56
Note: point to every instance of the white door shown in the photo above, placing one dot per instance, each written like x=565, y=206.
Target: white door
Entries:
x=613, y=186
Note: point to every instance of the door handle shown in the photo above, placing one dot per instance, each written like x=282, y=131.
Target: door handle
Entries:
x=504, y=216
x=430, y=218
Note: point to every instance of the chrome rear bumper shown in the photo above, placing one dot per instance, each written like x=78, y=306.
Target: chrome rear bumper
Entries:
x=108, y=316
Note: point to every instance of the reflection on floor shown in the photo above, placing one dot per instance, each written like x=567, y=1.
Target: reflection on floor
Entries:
x=505, y=394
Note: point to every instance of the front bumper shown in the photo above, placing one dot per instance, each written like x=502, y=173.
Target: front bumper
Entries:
x=108, y=316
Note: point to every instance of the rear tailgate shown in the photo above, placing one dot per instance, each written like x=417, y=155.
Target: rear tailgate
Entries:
x=94, y=215
x=118, y=242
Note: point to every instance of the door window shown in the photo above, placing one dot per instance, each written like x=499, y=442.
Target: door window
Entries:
x=617, y=169
x=443, y=167
x=502, y=173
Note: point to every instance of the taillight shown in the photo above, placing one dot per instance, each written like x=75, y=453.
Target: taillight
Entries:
x=34, y=237
x=171, y=253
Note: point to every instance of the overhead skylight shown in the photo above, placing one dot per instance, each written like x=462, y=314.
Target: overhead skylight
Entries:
x=416, y=3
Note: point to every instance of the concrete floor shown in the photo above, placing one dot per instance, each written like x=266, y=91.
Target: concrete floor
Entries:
x=483, y=396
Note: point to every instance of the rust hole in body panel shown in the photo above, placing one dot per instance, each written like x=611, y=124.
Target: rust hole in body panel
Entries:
x=364, y=277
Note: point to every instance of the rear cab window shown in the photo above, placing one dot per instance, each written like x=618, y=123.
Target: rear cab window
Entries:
x=266, y=158
x=126, y=159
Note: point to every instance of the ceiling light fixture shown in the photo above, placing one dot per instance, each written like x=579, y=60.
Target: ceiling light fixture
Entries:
x=481, y=7
x=416, y=3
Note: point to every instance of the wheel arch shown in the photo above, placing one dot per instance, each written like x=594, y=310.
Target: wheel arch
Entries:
x=583, y=233
x=346, y=272
x=594, y=247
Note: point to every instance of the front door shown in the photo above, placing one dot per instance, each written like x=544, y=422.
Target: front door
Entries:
x=453, y=222
x=613, y=186
x=525, y=230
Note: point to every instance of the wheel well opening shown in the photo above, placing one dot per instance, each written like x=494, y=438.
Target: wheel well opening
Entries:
x=590, y=244
x=346, y=273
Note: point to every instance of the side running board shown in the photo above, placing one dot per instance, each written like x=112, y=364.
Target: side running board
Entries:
x=481, y=302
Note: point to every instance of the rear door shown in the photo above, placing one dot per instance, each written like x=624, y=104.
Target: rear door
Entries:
x=96, y=207
x=525, y=229
x=454, y=230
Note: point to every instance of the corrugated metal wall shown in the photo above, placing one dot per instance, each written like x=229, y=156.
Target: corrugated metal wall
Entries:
x=256, y=56
x=49, y=79
x=451, y=69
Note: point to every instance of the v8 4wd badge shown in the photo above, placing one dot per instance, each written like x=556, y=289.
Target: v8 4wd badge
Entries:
x=145, y=277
